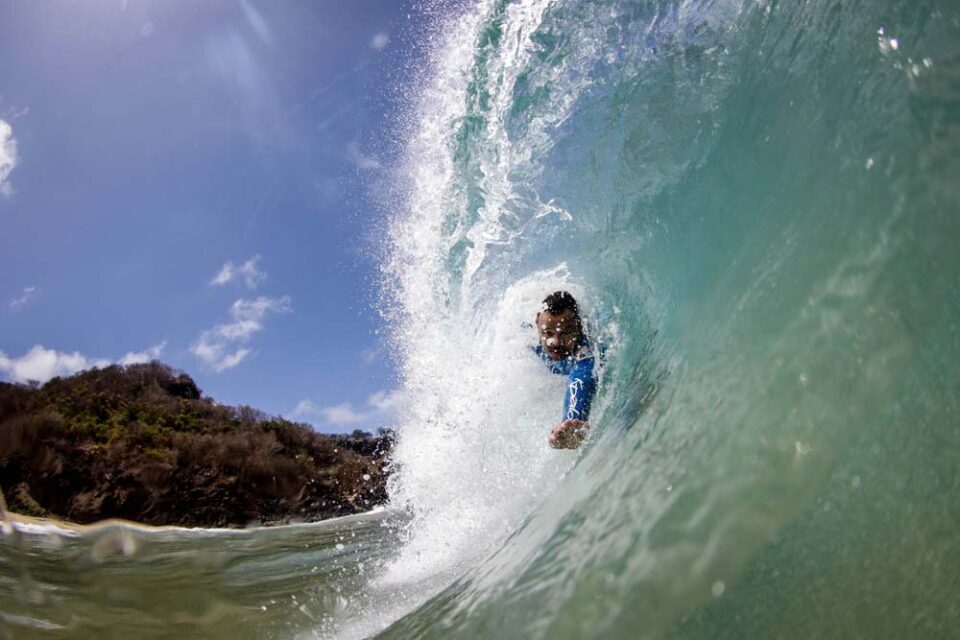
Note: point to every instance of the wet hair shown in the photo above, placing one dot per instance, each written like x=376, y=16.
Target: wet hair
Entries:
x=559, y=302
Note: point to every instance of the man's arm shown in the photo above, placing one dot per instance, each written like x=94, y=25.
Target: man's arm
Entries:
x=581, y=387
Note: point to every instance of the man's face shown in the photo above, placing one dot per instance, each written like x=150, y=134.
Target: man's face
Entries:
x=559, y=333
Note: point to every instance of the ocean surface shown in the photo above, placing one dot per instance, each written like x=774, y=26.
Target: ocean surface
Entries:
x=758, y=204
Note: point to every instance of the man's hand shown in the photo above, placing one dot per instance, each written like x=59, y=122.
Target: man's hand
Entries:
x=568, y=434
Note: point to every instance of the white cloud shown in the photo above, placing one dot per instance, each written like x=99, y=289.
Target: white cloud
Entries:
x=304, y=409
x=385, y=400
x=342, y=415
x=216, y=347
x=379, y=41
x=380, y=409
x=8, y=157
x=28, y=292
x=139, y=357
x=224, y=276
x=339, y=415
x=41, y=364
x=357, y=157
x=249, y=272
x=232, y=359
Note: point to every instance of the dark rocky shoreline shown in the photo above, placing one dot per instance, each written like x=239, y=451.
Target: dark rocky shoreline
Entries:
x=142, y=443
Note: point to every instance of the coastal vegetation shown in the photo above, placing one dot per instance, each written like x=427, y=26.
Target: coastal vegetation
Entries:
x=142, y=442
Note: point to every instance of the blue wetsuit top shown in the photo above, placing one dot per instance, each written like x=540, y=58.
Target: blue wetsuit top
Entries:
x=581, y=380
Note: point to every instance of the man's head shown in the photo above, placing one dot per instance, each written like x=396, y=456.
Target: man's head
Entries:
x=558, y=322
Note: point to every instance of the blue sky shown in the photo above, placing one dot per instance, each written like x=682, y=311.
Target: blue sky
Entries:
x=192, y=181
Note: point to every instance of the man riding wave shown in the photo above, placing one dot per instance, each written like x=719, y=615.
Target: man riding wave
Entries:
x=566, y=350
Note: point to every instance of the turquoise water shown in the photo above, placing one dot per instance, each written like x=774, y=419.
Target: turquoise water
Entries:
x=758, y=202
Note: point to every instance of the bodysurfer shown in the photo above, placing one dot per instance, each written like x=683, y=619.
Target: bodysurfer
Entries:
x=566, y=350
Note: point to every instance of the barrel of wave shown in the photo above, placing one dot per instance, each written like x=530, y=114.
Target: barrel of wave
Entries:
x=472, y=472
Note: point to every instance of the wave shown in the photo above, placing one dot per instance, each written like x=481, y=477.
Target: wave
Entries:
x=753, y=199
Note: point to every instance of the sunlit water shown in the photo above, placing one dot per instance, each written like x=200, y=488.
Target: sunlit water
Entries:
x=758, y=203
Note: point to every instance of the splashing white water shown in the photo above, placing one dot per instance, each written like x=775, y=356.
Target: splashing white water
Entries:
x=474, y=463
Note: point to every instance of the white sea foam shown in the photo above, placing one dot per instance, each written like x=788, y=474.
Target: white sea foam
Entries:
x=472, y=467
x=471, y=459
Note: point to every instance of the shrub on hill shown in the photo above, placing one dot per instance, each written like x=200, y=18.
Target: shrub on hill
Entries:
x=141, y=442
